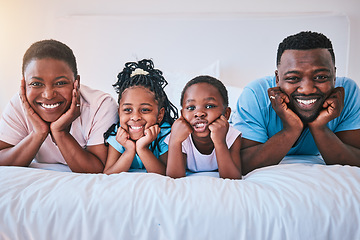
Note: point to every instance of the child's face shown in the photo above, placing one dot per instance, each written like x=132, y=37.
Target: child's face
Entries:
x=202, y=105
x=49, y=86
x=138, y=110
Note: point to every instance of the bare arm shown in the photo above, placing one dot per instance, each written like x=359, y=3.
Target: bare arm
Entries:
x=255, y=155
x=24, y=152
x=117, y=162
x=228, y=160
x=90, y=160
x=342, y=147
x=176, y=163
x=151, y=163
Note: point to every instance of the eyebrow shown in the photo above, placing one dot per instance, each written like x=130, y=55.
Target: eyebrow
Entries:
x=207, y=99
x=57, y=78
x=316, y=71
x=142, y=104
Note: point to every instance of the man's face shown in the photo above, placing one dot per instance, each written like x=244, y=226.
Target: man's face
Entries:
x=308, y=78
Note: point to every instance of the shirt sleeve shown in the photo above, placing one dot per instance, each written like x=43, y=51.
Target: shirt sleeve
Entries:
x=250, y=116
x=13, y=127
x=350, y=116
x=105, y=116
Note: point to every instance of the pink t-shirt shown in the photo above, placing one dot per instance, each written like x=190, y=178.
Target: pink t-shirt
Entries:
x=98, y=112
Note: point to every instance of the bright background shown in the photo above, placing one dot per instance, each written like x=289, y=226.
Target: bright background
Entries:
x=234, y=40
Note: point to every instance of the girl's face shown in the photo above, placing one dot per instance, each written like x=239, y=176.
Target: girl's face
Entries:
x=138, y=110
x=49, y=86
x=202, y=105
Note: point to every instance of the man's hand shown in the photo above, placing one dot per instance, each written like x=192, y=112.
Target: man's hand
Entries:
x=332, y=108
x=279, y=101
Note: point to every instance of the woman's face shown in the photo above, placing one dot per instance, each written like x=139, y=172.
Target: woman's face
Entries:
x=49, y=87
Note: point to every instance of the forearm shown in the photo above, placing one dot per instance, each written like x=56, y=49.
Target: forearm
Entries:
x=22, y=153
x=226, y=166
x=269, y=153
x=77, y=158
x=151, y=163
x=333, y=149
x=175, y=163
x=121, y=164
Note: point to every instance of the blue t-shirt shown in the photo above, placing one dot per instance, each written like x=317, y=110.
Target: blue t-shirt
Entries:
x=258, y=121
x=137, y=163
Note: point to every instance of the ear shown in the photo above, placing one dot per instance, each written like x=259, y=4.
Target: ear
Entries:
x=277, y=77
x=78, y=81
x=227, y=113
x=161, y=115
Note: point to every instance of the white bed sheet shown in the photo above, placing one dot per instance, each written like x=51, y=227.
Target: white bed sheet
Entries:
x=287, y=201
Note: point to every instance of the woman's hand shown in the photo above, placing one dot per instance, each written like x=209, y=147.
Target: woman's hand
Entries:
x=40, y=127
x=64, y=122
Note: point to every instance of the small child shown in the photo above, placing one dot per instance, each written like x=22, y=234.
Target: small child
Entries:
x=202, y=139
x=145, y=119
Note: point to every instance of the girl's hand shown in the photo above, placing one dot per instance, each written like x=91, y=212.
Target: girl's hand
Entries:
x=180, y=129
x=122, y=136
x=150, y=135
x=218, y=130
x=39, y=126
x=64, y=122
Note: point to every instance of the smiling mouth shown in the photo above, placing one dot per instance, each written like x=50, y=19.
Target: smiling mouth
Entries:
x=50, y=106
x=136, y=128
x=200, y=126
x=306, y=102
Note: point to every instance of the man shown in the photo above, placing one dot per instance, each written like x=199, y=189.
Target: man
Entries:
x=303, y=110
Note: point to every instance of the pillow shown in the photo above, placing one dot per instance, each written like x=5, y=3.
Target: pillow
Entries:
x=177, y=80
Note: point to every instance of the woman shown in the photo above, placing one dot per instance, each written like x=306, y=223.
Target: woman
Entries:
x=53, y=119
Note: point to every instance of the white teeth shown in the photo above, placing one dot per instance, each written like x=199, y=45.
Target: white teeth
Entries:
x=199, y=125
x=50, y=105
x=135, y=128
x=306, y=102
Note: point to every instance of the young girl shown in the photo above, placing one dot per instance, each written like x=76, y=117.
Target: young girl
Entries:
x=146, y=116
x=201, y=139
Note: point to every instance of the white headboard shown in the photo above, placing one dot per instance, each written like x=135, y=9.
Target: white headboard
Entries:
x=236, y=48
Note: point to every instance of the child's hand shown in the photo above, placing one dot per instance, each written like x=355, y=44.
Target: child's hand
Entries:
x=150, y=135
x=180, y=129
x=39, y=125
x=65, y=120
x=122, y=137
x=218, y=130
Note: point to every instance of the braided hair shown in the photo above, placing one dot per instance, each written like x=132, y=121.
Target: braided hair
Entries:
x=153, y=80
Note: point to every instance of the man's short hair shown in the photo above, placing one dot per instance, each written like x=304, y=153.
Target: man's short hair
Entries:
x=305, y=41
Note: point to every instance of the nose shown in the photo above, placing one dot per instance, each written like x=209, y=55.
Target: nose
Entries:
x=307, y=86
x=135, y=116
x=200, y=113
x=49, y=93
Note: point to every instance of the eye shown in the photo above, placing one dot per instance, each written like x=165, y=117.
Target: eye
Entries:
x=61, y=83
x=127, y=110
x=36, y=84
x=292, y=79
x=145, y=110
x=190, y=108
x=210, y=106
x=321, y=78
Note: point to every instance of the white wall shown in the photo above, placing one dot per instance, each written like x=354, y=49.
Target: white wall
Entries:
x=24, y=22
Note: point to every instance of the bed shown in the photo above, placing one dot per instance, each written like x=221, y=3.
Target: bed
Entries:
x=286, y=201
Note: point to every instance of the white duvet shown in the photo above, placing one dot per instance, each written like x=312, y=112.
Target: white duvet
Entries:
x=287, y=201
